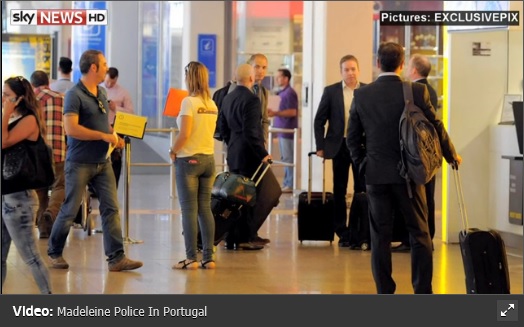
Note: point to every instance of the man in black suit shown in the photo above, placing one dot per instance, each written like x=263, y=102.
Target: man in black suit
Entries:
x=418, y=71
x=376, y=111
x=334, y=110
x=243, y=134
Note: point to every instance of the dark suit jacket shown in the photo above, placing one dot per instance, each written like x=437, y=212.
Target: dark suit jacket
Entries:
x=330, y=108
x=432, y=93
x=240, y=126
x=376, y=110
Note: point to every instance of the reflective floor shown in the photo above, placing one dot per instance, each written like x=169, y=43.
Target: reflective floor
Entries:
x=285, y=266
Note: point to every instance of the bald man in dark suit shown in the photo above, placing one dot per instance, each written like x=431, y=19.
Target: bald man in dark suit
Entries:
x=418, y=70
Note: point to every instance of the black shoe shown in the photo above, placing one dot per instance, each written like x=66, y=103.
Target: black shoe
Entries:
x=343, y=244
x=260, y=240
x=401, y=248
x=249, y=246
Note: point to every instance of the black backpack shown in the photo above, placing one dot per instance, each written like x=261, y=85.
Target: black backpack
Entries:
x=218, y=97
x=420, y=152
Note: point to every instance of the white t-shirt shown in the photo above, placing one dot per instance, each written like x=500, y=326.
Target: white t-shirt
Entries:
x=204, y=115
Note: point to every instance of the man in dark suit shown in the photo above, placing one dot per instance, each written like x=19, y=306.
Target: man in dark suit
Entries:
x=418, y=70
x=243, y=134
x=376, y=111
x=334, y=110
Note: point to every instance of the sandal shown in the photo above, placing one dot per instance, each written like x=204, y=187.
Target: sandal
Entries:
x=186, y=264
x=209, y=264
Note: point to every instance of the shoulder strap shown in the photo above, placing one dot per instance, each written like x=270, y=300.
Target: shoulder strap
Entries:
x=408, y=91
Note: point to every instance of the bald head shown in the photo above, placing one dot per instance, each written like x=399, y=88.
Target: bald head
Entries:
x=245, y=75
x=420, y=66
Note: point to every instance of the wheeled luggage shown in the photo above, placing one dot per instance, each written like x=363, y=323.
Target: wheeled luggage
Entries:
x=359, y=234
x=483, y=254
x=226, y=213
x=315, y=217
x=268, y=197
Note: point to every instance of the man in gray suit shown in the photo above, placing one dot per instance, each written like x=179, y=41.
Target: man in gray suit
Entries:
x=418, y=70
x=376, y=111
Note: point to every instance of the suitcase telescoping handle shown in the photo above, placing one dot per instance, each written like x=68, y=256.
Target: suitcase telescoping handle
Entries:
x=266, y=167
x=310, y=155
x=262, y=164
x=460, y=196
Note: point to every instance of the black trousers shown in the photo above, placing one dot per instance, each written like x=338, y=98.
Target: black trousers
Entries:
x=400, y=231
x=116, y=162
x=341, y=165
x=382, y=199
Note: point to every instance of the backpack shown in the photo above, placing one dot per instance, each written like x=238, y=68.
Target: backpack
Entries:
x=420, y=152
x=218, y=97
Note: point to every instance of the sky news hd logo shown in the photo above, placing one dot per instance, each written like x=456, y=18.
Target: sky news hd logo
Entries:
x=58, y=17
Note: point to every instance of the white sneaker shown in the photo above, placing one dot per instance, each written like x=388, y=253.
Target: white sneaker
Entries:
x=287, y=190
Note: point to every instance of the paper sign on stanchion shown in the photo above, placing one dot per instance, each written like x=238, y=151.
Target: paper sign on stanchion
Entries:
x=128, y=125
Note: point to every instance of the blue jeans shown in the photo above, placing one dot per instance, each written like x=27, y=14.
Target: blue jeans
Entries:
x=286, y=154
x=18, y=212
x=102, y=178
x=195, y=176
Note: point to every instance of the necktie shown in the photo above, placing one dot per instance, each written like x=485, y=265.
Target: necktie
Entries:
x=255, y=89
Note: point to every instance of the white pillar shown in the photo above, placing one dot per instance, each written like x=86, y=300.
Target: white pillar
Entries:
x=203, y=17
x=331, y=30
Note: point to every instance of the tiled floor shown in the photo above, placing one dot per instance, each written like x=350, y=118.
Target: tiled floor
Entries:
x=286, y=266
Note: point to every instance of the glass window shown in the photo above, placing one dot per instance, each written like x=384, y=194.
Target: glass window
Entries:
x=271, y=28
x=161, y=57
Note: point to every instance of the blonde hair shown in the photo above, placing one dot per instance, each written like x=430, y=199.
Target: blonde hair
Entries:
x=197, y=79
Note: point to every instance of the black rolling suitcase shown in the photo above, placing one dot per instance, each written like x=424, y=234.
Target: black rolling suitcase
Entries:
x=359, y=234
x=268, y=197
x=483, y=254
x=315, y=217
x=226, y=214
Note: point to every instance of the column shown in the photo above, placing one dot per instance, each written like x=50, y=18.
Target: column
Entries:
x=331, y=30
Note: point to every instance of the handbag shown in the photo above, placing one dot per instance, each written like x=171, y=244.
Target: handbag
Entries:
x=29, y=164
x=234, y=188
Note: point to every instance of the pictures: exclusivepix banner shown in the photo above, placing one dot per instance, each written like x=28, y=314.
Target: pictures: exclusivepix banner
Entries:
x=58, y=17
x=464, y=18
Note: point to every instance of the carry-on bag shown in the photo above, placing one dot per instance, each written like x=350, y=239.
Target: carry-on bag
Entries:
x=226, y=212
x=315, y=217
x=483, y=254
x=268, y=197
x=359, y=234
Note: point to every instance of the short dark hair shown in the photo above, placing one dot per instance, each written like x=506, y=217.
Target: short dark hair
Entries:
x=421, y=64
x=348, y=58
x=65, y=64
x=112, y=72
x=39, y=78
x=88, y=58
x=390, y=55
x=285, y=72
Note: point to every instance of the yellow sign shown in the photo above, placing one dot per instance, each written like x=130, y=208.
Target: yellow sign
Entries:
x=130, y=125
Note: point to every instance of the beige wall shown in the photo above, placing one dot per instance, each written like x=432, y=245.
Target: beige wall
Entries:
x=331, y=30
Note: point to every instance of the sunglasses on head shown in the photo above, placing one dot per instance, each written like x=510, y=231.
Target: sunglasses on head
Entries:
x=191, y=64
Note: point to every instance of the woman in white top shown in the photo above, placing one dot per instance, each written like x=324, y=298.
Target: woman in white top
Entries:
x=193, y=157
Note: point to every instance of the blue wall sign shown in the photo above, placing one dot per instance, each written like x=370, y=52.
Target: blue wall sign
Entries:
x=207, y=54
x=88, y=37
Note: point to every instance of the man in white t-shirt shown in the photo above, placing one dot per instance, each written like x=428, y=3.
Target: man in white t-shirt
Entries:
x=63, y=83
